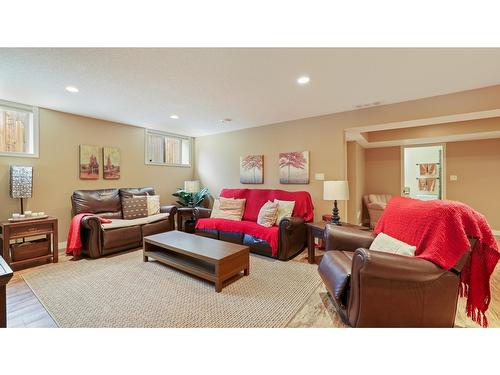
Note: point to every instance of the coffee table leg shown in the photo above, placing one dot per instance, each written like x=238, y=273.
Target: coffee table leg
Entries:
x=144, y=258
x=246, y=271
x=310, y=247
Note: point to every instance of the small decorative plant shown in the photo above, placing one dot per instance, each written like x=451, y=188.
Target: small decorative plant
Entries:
x=186, y=199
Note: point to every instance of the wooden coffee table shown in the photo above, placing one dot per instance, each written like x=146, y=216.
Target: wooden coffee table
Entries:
x=210, y=259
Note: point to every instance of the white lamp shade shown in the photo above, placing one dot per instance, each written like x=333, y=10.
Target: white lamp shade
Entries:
x=192, y=186
x=335, y=191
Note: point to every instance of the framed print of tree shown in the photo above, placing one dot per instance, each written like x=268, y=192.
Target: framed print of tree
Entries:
x=252, y=169
x=294, y=167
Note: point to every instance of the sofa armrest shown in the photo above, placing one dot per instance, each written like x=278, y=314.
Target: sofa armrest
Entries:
x=91, y=234
x=381, y=265
x=171, y=209
x=201, y=213
x=292, y=237
x=346, y=238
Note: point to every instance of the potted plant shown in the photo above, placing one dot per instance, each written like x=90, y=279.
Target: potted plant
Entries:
x=188, y=199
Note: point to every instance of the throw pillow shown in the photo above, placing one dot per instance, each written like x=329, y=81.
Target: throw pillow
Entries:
x=267, y=214
x=388, y=244
x=134, y=208
x=285, y=209
x=228, y=208
x=153, y=203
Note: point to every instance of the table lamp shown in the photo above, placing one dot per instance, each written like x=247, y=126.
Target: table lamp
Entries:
x=21, y=183
x=335, y=191
x=191, y=187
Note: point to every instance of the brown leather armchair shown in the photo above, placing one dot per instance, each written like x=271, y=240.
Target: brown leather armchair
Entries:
x=106, y=203
x=377, y=289
x=373, y=207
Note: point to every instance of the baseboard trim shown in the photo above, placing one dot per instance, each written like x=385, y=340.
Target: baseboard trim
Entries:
x=62, y=245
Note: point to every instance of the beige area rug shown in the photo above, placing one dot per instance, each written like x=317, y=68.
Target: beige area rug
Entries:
x=123, y=291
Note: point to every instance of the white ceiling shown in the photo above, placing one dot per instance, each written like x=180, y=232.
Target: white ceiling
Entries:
x=254, y=87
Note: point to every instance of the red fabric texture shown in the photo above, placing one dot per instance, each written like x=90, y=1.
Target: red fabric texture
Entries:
x=248, y=227
x=440, y=231
x=256, y=198
x=74, y=242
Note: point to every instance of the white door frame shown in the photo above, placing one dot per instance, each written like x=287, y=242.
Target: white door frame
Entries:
x=442, y=169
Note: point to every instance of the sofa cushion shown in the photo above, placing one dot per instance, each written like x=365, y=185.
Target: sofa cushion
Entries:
x=268, y=214
x=134, y=208
x=121, y=223
x=256, y=198
x=103, y=202
x=248, y=227
x=129, y=192
x=228, y=208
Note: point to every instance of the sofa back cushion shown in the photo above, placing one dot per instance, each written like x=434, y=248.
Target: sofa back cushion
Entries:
x=256, y=198
x=130, y=192
x=103, y=202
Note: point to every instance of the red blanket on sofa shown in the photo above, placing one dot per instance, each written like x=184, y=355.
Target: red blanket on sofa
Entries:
x=440, y=231
x=74, y=241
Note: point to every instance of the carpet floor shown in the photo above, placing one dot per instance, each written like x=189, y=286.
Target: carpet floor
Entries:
x=123, y=291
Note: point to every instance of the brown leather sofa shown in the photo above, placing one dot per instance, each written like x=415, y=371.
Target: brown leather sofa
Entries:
x=106, y=203
x=373, y=207
x=377, y=289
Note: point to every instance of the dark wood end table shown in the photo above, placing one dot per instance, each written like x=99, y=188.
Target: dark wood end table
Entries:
x=317, y=230
x=15, y=230
x=183, y=214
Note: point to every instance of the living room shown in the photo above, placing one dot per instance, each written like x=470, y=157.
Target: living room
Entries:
x=231, y=189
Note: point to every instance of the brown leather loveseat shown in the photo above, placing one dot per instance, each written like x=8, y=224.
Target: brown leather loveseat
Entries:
x=98, y=240
x=378, y=289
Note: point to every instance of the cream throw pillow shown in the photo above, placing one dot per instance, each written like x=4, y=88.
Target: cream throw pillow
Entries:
x=285, y=209
x=267, y=214
x=228, y=208
x=153, y=202
x=388, y=244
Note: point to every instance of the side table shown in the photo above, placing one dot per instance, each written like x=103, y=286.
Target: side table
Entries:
x=10, y=231
x=183, y=214
x=317, y=230
x=5, y=276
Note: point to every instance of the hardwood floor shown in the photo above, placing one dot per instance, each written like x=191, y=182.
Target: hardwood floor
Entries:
x=25, y=310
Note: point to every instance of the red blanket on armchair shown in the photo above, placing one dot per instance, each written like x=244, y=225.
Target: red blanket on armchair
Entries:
x=440, y=230
x=74, y=242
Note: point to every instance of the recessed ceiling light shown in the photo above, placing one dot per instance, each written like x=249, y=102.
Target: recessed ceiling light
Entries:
x=72, y=89
x=226, y=120
x=175, y=117
x=303, y=80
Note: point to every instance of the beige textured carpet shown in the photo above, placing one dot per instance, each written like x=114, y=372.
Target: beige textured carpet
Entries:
x=123, y=291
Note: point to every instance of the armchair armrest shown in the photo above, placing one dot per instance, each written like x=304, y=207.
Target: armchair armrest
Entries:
x=201, y=213
x=346, y=238
x=380, y=265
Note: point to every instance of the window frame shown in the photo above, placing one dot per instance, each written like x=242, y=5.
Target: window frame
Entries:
x=36, y=129
x=171, y=135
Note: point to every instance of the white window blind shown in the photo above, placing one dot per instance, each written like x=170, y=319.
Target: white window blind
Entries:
x=18, y=130
x=167, y=149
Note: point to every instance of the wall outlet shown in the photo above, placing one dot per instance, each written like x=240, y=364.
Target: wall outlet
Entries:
x=453, y=177
x=319, y=176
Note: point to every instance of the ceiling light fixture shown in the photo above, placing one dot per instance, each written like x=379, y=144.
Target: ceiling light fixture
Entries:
x=303, y=80
x=366, y=105
x=175, y=117
x=72, y=89
x=226, y=120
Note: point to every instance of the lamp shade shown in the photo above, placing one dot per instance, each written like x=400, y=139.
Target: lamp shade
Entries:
x=21, y=181
x=335, y=191
x=192, y=186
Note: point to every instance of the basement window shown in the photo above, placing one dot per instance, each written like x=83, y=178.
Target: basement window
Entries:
x=18, y=130
x=167, y=149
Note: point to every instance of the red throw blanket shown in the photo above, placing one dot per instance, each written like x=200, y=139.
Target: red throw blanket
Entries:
x=74, y=242
x=440, y=230
x=248, y=227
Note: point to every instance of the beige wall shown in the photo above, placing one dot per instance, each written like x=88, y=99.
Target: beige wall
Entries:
x=217, y=157
x=56, y=170
x=383, y=170
x=475, y=163
x=356, y=177
x=477, y=166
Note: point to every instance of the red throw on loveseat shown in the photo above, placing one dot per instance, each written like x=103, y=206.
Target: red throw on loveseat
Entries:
x=282, y=241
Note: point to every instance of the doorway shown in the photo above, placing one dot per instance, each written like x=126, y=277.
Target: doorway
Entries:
x=423, y=172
